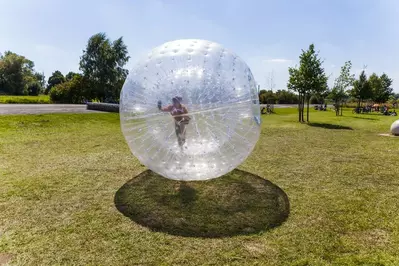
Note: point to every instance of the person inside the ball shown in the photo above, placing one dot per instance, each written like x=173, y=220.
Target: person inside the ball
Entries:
x=180, y=115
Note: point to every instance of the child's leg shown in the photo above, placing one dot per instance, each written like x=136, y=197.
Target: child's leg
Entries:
x=183, y=132
x=178, y=134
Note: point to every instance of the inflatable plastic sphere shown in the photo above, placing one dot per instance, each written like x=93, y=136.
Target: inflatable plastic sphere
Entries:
x=190, y=110
x=395, y=128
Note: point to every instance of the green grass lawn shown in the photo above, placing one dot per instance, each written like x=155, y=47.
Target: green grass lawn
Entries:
x=24, y=99
x=68, y=195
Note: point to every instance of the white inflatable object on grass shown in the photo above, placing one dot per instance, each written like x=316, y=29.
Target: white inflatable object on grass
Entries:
x=395, y=128
x=217, y=89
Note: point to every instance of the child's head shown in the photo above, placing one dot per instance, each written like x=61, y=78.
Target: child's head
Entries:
x=177, y=100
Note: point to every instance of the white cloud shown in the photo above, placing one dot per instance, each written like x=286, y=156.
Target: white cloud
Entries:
x=278, y=60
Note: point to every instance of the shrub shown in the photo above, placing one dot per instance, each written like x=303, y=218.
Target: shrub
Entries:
x=69, y=92
x=33, y=89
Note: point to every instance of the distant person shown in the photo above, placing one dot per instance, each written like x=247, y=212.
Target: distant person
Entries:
x=385, y=110
x=179, y=113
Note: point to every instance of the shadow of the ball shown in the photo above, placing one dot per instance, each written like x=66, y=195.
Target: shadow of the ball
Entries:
x=238, y=203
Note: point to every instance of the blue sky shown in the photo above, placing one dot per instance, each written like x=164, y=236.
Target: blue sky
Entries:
x=268, y=35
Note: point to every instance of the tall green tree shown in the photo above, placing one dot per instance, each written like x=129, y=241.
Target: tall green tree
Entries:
x=387, y=90
x=309, y=78
x=16, y=73
x=102, y=65
x=56, y=78
x=376, y=88
x=341, y=84
x=361, y=89
x=41, y=79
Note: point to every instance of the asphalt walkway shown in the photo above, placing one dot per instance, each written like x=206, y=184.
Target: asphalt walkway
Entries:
x=8, y=109
x=15, y=109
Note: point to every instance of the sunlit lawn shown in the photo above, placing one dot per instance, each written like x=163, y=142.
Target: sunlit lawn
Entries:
x=65, y=179
x=24, y=99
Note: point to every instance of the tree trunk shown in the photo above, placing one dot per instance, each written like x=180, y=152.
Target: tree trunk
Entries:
x=303, y=107
x=307, y=110
x=299, y=107
x=337, y=108
x=342, y=107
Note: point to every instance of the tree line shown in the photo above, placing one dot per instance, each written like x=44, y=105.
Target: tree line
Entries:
x=310, y=80
x=102, y=75
x=278, y=97
x=101, y=78
x=18, y=76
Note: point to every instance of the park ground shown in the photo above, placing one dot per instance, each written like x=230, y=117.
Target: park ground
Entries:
x=62, y=176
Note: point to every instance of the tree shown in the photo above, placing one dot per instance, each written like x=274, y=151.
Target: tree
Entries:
x=286, y=97
x=361, y=89
x=266, y=97
x=295, y=83
x=376, y=88
x=55, y=79
x=34, y=88
x=102, y=65
x=341, y=85
x=393, y=100
x=70, y=75
x=72, y=91
x=16, y=73
x=386, y=89
x=307, y=79
x=41, y=79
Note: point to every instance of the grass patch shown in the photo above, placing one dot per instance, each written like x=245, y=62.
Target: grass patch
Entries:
x=61, y=175
x=42, y=99
x=329, y=126
x=238, y=203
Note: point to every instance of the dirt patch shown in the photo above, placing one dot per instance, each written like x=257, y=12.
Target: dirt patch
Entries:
x=377, y=238
x=5, y=258
x=259, y=249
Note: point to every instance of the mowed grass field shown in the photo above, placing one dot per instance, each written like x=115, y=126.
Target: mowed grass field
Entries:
x=24, y=99
x=65, y=181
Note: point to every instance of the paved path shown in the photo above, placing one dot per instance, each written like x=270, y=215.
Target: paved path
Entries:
x=7, y=109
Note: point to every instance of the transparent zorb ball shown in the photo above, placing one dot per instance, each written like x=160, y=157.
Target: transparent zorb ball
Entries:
x=190, y=110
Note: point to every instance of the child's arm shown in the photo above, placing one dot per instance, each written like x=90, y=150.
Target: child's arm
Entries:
x=164, y=109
